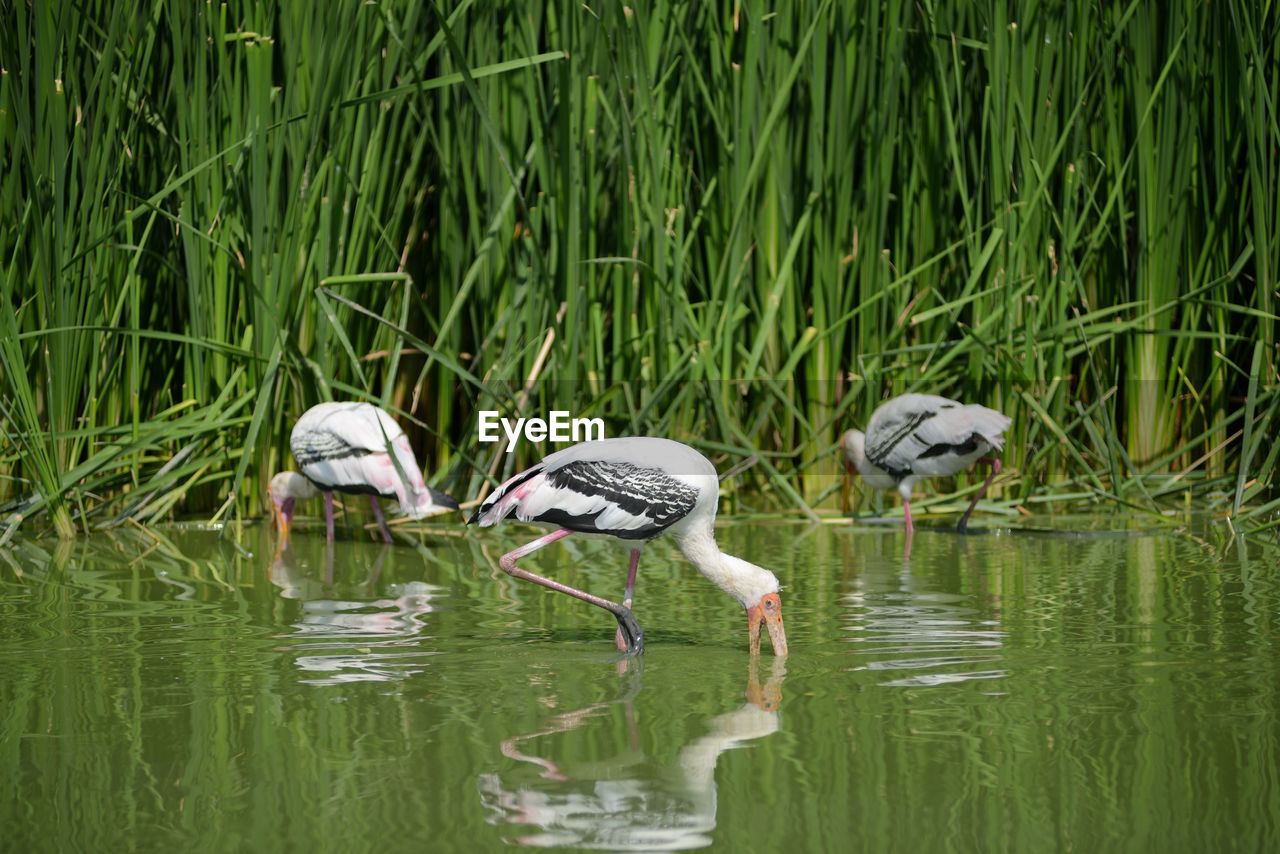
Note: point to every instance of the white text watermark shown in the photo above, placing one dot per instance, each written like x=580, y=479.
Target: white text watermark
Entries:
x=559, y=427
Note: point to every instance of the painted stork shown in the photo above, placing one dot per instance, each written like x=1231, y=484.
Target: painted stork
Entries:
x=633, y=490
x=355, y=448
x=915, y=436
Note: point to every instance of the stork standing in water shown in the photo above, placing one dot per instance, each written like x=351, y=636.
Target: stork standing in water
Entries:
x=354, y=448
x=633, y=490
x=915, y=436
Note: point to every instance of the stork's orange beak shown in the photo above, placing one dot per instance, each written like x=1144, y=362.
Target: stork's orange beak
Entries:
x=282, y=514
x=767, y=613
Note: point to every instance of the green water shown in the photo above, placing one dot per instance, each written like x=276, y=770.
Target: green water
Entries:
x=1027, y=691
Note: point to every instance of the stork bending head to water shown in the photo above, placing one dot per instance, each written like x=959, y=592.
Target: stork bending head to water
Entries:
x=915, y=436
x=354, y=448
x=633, y=490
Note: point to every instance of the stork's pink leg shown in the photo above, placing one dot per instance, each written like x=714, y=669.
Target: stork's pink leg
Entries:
x=633, y=634
x=995, y=470
x=328, y=516
x=906, y=511
x=618, y=639
x=382, y=522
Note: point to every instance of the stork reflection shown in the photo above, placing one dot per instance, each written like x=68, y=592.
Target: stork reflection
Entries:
x=354, y=639
x=627, y=802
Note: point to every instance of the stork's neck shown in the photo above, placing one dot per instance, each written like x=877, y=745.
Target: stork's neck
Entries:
x=741, y=579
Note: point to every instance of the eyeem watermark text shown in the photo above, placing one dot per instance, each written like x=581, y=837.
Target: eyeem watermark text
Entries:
x=558, y=428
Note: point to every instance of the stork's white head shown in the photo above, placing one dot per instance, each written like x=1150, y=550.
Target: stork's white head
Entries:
x=756, y=589
x=853, y=444
x=285, y=489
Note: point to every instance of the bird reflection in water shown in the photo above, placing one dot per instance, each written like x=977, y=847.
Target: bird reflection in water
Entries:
x=626, y=803
x=355, y=640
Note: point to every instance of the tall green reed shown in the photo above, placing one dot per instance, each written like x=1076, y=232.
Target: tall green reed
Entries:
x=732, y=223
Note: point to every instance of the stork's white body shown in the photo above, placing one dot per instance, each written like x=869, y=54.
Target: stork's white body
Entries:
x=916, y=436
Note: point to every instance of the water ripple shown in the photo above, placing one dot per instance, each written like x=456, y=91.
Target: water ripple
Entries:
x=942, y=641
x=391, y=631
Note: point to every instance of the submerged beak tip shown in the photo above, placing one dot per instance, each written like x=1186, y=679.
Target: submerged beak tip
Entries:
x=281, y=519
x=767, y=613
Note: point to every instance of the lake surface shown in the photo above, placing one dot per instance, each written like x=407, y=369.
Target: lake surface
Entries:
x=1006, y=691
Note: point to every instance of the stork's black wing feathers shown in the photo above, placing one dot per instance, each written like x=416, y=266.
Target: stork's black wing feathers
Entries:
x=895, y=446
x=628, y=501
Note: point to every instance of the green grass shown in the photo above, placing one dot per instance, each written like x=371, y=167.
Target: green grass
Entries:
x=736, y=224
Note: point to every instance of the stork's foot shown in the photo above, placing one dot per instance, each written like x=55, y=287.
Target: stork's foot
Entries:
x=630, y=634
